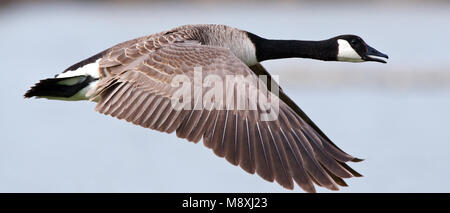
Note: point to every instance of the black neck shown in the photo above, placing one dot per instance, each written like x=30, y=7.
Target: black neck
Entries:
x=267, y=49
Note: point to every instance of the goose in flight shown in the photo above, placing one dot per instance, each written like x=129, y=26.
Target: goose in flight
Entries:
x=133, y=81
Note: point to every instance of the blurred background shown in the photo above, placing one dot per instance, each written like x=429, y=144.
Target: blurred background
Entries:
x=394, y=115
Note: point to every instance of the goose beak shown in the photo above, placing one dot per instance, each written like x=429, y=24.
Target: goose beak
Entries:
x=373, y=55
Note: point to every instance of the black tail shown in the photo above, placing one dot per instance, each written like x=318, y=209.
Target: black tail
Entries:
x=59, y=87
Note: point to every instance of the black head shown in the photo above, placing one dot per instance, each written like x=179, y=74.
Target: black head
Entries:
x=352, y=48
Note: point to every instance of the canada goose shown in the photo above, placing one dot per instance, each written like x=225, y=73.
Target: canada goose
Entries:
x=132, y=81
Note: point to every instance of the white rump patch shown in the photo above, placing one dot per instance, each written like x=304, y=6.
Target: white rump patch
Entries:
x=346, y=52
x=91, y=69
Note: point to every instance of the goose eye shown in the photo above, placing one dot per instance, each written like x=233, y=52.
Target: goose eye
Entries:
x=353, y=41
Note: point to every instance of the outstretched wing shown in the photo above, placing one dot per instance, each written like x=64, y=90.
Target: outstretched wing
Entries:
x=136, y=85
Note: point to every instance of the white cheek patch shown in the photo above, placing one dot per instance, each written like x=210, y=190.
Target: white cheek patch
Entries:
x=91, y=69
x=346, y=52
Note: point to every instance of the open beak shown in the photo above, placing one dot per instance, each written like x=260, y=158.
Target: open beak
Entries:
x=374, y=55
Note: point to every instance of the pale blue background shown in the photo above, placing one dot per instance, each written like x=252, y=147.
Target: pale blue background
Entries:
x=51, y=146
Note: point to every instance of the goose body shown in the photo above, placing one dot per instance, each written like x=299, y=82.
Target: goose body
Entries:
x=133, y=81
